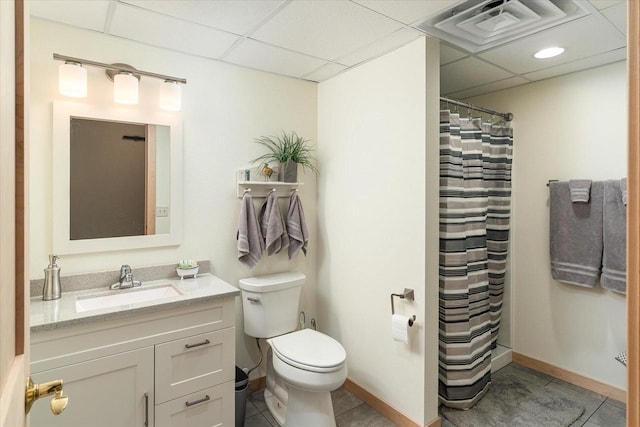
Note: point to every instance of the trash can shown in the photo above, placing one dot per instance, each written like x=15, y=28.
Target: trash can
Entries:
x=242, y=382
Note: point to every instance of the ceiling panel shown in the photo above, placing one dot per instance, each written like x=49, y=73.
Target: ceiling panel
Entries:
x=236, y=16
x=604, y=4
x=172, y=33
x=261, y=56
x=408, y=11
x=380, y=47
x=325, y=72
x=581, y=64
x=581, y=38
x=467, y=73
x=325, y=29
x=617, y=15
x=491, y=87
x=449, y=54
x=90, y=14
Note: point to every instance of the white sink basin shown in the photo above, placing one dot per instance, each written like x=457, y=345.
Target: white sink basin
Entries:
x=124, y=297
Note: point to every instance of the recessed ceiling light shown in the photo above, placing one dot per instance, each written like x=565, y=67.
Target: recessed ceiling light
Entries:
x=549, y=52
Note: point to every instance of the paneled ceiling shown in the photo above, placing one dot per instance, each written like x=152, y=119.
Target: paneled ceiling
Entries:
x=318, y=39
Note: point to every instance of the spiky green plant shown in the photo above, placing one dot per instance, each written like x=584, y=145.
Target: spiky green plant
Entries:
x=285, y=147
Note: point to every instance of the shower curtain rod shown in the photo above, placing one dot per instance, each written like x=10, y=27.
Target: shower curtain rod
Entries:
x=507, y=116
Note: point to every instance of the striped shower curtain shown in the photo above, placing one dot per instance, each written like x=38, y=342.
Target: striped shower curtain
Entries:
x=475, y=193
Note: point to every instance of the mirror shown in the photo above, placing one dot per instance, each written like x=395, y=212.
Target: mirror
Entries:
x=117, y=179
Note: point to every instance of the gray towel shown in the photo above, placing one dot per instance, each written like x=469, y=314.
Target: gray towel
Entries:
x=250, y=242
x=575, y=235
x=296, y=227
x=623, y=188
x=614, y=258
x=272, y=225
x=580, y=189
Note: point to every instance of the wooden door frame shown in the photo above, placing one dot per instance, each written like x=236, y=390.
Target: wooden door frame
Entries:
x=21, y=180
x=633, y=214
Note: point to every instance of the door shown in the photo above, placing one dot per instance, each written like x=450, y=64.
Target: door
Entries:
x=633, y=216
x=110, y=391
x=14, y=333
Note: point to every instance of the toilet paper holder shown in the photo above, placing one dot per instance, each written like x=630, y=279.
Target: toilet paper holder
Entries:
x=408, y=295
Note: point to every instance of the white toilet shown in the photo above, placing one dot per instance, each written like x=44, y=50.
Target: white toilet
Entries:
x=304, y=366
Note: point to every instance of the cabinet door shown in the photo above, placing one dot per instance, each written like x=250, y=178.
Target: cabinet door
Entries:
x=214, y=406
x=195, y=363
x=105, y=392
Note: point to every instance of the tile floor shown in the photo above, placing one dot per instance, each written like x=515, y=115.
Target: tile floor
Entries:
x=350, y=411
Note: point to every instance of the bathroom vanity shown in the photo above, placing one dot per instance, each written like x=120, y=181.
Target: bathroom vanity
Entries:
x=165, y=357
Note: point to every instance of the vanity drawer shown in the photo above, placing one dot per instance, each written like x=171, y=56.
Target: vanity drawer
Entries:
x=213, y=406
x=190, y=364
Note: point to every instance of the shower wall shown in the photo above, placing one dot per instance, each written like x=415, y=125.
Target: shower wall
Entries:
x=378, y=228
x=573, y=126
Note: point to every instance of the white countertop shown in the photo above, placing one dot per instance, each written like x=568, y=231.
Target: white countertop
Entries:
x=61, y=313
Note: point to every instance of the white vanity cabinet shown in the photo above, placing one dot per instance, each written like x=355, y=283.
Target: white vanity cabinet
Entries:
x=109, y=391
x=162, y=366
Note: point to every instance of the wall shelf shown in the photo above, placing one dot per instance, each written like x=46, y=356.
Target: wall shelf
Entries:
x=263, y=188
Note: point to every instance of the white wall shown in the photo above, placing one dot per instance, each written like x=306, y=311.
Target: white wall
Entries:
x=371, y=208
x=572, y=126
x=224, y=108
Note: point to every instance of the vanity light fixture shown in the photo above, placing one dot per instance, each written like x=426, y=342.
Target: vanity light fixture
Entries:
x=125, y=88
x=170, y=96
x=125, y=82
x=549, y=52
x=72, y=80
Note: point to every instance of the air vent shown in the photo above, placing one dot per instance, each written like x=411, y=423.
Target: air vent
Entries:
x=477, y=25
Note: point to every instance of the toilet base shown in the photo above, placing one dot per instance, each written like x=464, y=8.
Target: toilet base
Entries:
x=276, y=407
x=309, y=409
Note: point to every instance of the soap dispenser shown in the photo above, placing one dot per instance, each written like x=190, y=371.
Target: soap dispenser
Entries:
x=52, y=289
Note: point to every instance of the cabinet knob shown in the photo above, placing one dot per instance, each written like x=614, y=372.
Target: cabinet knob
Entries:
x=34, y=392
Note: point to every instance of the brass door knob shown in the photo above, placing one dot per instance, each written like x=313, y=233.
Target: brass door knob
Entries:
x=36, y=391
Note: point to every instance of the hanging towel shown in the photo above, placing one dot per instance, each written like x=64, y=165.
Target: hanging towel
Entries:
x=580, y=189
x=272, y=225
x=250, y=242
x=614, y=258
x=575, y=235
x=296, y=227
x=623, y=188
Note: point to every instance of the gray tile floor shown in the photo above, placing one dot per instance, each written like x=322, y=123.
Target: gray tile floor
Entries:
x=350, y=411
x=599, y=410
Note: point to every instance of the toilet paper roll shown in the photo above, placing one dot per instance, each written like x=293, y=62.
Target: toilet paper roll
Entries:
x=400, y=328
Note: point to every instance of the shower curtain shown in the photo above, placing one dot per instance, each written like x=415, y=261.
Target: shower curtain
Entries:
x=475, y=193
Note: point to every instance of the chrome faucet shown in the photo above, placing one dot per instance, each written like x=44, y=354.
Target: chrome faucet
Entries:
x=126, y=279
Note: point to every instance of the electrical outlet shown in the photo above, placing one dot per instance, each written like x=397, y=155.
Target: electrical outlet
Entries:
x=162, y=211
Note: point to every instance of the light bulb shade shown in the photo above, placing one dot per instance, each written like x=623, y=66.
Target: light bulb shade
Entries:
x=125, y=88
x=170, y=96
x=72, y=80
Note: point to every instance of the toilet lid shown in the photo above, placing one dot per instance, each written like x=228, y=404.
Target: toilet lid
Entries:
x=310, y=350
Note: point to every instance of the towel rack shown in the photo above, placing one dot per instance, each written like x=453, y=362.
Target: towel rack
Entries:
x=408, y=295
x=264, y=188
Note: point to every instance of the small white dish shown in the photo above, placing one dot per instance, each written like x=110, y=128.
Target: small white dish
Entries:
x=188, y=272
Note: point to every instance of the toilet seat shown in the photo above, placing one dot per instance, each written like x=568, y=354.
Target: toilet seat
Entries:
x=309, y=350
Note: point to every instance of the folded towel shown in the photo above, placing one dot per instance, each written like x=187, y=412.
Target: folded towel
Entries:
x=623, y=188
x=614, y=258
x=272, y=225
x=250, y=242
x=296, y=227
x=575, y=235
x=580, y=189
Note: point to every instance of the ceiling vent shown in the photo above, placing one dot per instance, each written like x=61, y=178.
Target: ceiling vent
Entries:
x=478, y=25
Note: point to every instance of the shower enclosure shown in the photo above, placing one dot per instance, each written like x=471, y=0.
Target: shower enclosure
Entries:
x=475, y=206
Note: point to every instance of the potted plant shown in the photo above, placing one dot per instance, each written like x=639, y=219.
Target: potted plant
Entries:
x=289, y=150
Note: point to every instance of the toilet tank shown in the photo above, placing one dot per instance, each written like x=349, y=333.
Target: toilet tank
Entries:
x=270, y=303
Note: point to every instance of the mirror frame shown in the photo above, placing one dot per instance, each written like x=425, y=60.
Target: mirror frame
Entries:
x=60, y=225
